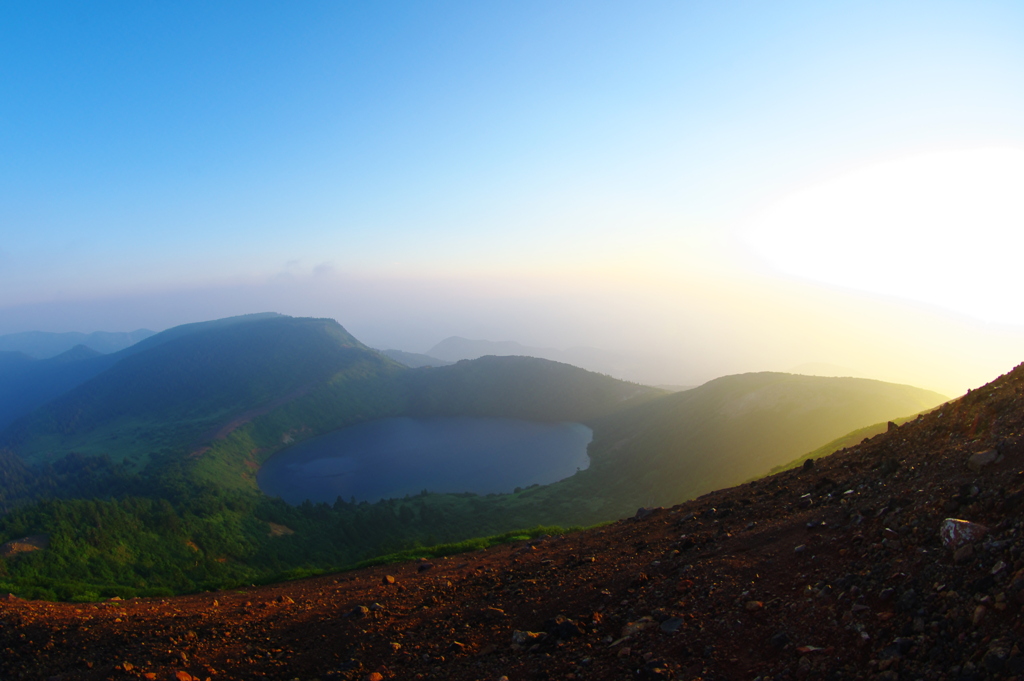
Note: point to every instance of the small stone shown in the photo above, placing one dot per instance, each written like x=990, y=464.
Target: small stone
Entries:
x=753, y=605
x=374, y=676
x=184, y=676
x=360, y=611
x=780, y=640
x=388, y=580
x=978, y=461
x=636, y=627
x=624, y=651
x=979, y=614
x=800, y=549
x=672, y=625
x=955, y=532
x=526, y=637
x=808, y=465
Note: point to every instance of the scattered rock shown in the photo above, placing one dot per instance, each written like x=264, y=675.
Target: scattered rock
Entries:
x=981, y=459
x=563, y=628
x=643, y=513
x=633, y=628
x=523, y=638
x=955, y=532
x=672, y=625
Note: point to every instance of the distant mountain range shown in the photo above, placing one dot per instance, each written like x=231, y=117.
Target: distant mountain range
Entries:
x=239, y=389
x=43, y=345
x=415, y=360
x=456, y=348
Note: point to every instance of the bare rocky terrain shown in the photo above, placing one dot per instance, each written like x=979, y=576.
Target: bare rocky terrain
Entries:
x=839, y=569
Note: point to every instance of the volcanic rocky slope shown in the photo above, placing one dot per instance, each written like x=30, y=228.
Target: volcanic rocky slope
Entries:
x=836, y=570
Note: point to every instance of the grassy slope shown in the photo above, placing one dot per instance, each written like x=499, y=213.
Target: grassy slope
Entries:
x=734, y=428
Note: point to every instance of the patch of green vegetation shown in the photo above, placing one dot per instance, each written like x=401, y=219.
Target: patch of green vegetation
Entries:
x=851, y=439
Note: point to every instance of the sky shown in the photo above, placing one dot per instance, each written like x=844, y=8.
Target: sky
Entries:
x=710, y=188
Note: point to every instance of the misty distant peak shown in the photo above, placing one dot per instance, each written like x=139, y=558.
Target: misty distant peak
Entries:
x=44, y=345
x=825, y=369
x=457, y=348
x=625, y=367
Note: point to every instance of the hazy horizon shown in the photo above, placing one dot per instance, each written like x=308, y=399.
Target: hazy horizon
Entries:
x=709, y=189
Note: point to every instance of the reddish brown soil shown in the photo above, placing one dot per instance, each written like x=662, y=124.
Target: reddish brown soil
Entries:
x=714, y=588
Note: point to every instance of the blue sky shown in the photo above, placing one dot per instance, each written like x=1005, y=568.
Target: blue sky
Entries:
x=503, y=170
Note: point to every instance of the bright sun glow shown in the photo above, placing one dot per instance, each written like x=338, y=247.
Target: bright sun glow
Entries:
x=946, y=229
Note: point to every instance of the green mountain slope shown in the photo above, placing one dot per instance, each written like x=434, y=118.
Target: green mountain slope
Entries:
x=519, y=387
x=737, y=427
x=27, y=383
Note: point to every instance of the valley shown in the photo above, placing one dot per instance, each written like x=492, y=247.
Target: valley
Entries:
x=146, y=477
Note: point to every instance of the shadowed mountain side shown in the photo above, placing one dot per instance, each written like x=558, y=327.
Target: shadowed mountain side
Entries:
x=27, y=383
x=519, y=387
x=734, y=428
x=170, y=389
x=15, y=480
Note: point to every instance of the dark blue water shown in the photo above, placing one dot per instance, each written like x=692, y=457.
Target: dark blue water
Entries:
x=391, y=458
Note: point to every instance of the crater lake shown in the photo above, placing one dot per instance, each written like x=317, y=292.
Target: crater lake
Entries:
x=395, y=457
